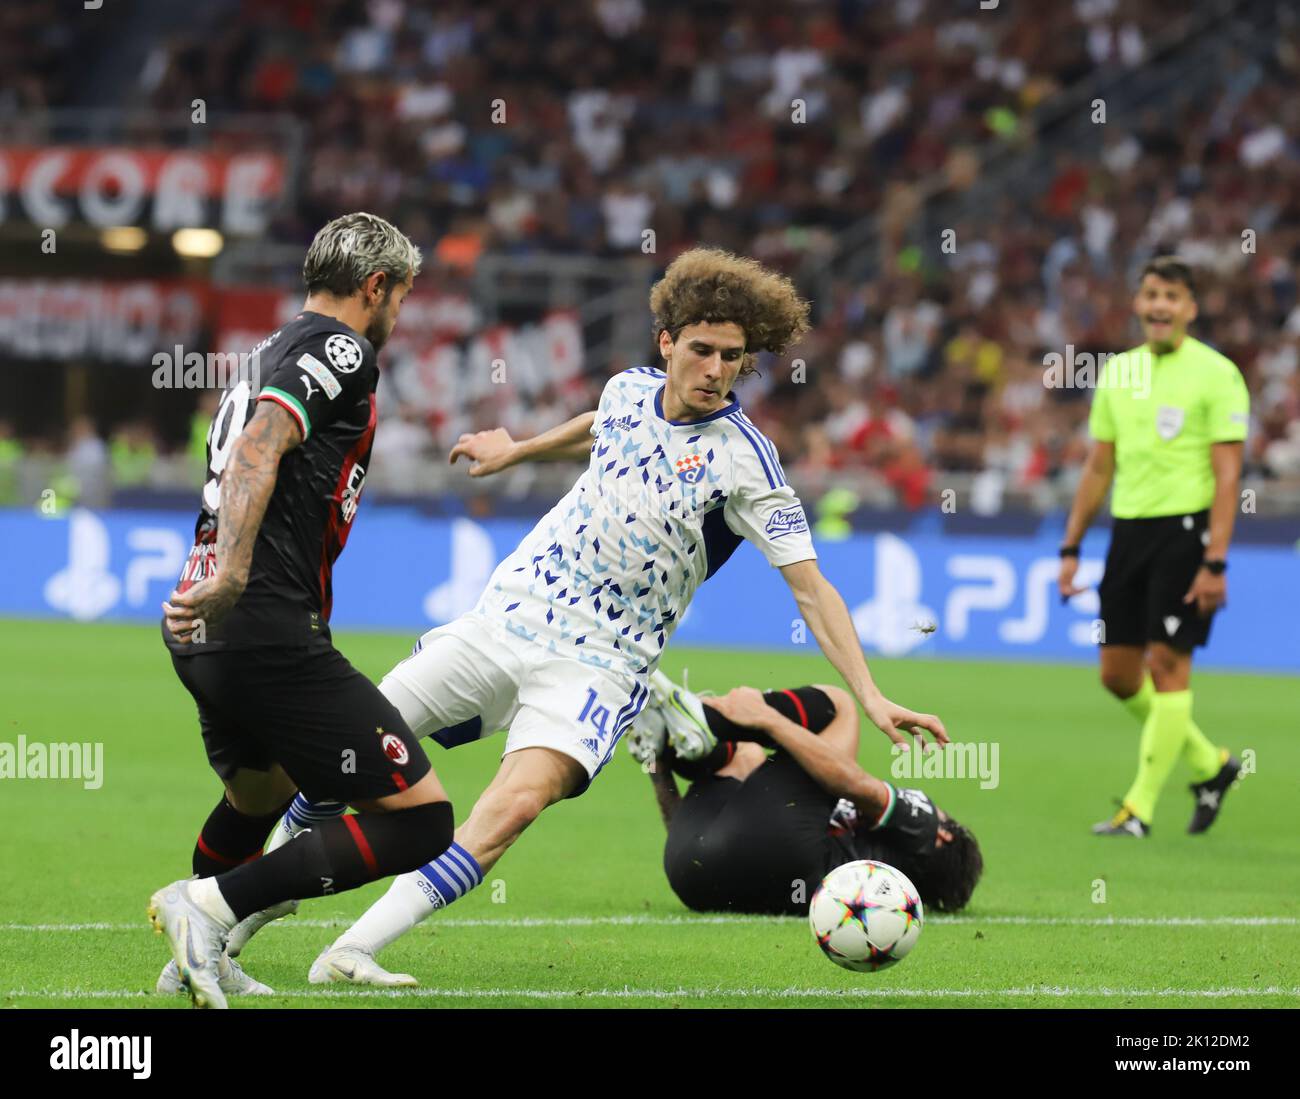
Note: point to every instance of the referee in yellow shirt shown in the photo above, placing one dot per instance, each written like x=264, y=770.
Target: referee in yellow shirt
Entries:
x=1168, y=422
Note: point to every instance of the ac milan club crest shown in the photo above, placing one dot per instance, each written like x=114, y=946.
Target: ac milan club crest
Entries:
x=395, y=750
x=690, y=468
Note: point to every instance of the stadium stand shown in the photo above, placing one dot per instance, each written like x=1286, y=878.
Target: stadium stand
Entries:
x=935, y=177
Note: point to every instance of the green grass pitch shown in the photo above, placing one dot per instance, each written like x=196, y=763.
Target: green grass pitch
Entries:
x=579, y=912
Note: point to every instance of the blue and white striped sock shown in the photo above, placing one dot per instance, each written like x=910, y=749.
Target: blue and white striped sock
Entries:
x=451, y=875
x=300, y=816
x=413, y=897
x=303, y=813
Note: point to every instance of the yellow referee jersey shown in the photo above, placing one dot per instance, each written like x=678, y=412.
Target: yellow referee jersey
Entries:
x=1163, y=412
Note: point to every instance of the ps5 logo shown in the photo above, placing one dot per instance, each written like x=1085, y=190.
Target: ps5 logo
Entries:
x=988, y=583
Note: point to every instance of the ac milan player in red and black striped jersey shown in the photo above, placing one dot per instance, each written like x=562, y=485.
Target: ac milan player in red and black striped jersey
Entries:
x=280, y=709
x=323, y=375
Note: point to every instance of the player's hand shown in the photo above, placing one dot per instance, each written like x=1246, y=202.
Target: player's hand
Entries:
x=743, y=705
x=898, y=723
x=488, y=451
x=189, y=613
x=1065, y=578
x=1208, y=592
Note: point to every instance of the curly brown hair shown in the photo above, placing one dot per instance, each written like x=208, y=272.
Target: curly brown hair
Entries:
x=715, y=286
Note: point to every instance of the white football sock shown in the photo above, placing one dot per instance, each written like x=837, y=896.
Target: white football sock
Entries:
x=284, y=832
x=207, y=896
x=414, y=897
x=300, y=817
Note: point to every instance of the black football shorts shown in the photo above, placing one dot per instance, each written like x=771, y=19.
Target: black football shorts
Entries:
x=1149, y=567
x=755, y=846
x=307, y=709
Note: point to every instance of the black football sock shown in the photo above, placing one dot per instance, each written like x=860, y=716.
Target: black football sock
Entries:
x=692, y=769
x=340, y=854
x=229, y=837
x=810, y=707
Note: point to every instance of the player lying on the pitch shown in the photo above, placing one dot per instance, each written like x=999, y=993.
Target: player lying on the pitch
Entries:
x=758, y=834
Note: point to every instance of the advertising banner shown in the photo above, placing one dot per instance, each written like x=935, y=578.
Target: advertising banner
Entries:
x=921, y=595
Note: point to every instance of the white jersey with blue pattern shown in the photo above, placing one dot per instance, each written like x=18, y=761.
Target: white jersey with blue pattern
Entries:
x=606, y=575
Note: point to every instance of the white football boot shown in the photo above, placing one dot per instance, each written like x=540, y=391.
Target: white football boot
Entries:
x=352, y=964
x=648, y=737
x=196, y=939
x=249, y=926
x=689, y=734
x=231, y=976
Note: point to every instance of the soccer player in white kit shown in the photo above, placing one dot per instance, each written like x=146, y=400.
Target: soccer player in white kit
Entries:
x=560, y=649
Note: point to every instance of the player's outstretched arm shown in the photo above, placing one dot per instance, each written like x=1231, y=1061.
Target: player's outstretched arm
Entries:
x=823, y=609
x=836, y=772
x=246, y=489
x=492, y=451
x=1098, y=473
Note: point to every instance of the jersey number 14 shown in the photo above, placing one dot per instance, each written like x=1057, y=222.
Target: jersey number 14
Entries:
x=597, y=715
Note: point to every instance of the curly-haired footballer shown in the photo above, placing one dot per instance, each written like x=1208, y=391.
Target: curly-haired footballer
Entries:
x=562, y=645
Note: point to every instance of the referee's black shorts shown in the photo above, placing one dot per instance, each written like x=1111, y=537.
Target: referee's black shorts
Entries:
x=755, y=846
x=1149, y=567
x=307, y=709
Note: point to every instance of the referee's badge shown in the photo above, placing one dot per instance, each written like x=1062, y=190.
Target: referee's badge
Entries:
x=1169, y=421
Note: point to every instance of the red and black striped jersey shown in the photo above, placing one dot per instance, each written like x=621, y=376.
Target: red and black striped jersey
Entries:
x=324, y=375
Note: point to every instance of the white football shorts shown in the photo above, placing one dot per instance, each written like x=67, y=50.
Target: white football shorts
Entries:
x=471, y=678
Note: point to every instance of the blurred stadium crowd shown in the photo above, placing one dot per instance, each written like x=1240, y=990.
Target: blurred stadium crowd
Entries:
x=774, y=130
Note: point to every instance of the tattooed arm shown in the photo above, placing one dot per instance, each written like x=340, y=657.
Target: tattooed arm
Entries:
x=246, y=487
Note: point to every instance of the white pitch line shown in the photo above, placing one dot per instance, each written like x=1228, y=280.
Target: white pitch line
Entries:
x=678, y=921
x=629, y=993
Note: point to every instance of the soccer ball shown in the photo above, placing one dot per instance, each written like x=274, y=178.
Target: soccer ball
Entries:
x=866, y=915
